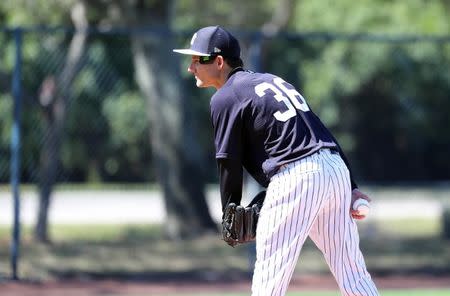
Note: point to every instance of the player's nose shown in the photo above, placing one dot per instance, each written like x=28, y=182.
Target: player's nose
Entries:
x=191, y=68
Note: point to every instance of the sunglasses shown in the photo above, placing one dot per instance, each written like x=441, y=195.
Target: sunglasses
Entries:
x=207, y=60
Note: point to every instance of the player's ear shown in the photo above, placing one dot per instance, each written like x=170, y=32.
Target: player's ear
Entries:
x=220, y=61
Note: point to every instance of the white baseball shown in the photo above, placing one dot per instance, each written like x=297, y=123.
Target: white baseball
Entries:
x=362, y=206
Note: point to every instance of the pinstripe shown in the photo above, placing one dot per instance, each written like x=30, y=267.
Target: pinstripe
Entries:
x=354, y=267
x=356, y=254
x=297, y=188
x=300, y=238
x=280, y=287
x=305, y=233
x=282, y=234
x=342, y=225
x=279, y=237
x=343, y=209
x=276, y=228
x=361, y=268
x=292, y=232
x=264, y=233
x=331, y=223
x=336, y=216
x=346, y=281
x=309, y=197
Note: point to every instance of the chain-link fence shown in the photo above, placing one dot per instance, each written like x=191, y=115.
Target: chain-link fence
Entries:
x=97, y=118
x=386, y=99
x=71, y=110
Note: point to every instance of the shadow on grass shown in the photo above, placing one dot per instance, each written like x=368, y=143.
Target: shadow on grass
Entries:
x=193, y=275
x=407, y=256
x=406, y=246
x=142, y=254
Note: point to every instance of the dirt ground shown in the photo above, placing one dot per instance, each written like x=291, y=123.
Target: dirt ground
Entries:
x=109, y=287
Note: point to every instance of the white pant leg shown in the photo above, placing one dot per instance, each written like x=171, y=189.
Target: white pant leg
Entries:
x=335, y=233
x=293, y=201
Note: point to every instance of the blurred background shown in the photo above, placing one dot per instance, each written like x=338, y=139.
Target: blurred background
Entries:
x=107, y=162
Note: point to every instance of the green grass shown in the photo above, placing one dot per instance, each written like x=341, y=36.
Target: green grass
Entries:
x=410, y=227
x=403, y=228
x=405, y=246
x=415, y=293
x=141, y=250
x=315, y=293
x=119, y=251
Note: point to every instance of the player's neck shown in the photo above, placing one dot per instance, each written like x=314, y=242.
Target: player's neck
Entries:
x=226, y=74
x=223, y=77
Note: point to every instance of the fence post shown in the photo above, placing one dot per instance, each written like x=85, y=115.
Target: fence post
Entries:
x=15, y=150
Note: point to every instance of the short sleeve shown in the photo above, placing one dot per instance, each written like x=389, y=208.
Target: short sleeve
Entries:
x=226, y=118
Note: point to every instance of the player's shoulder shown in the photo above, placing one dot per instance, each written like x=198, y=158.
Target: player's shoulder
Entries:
x=239, y=89
x=242, y=84
x=247, y=78
x=234, y=89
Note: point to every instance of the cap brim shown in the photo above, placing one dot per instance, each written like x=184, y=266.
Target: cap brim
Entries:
x=191, y=52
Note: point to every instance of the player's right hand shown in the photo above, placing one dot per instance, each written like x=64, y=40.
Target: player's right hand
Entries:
x=356, y=194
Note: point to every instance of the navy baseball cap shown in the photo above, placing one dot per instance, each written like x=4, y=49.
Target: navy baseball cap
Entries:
x=212, y=41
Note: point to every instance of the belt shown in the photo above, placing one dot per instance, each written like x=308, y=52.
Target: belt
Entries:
x=321, y=150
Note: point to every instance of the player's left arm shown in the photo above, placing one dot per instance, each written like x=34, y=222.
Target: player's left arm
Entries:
x=231, y=180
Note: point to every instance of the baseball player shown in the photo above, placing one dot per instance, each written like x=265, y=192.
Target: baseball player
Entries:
x=263, y=124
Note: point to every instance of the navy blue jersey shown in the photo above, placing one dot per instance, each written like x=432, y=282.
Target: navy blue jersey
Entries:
x=262, y=122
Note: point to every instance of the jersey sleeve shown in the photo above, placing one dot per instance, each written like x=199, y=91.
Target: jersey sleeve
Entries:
x=231, y=176
x=226, y=118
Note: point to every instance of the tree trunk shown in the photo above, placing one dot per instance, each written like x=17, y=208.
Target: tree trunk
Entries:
x=177, y=154
x=49, y=155
x=54, y=96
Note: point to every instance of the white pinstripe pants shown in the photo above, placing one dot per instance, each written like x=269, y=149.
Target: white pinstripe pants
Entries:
x=310, y=197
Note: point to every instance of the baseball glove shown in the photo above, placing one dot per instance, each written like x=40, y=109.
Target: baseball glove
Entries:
x=239, y=223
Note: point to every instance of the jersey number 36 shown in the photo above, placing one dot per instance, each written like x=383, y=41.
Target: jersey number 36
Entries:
x=289, y=97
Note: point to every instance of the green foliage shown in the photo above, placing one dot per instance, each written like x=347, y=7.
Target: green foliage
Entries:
x=6, y=108
x=191, y=14
x=35, y=12
x=380, y=98
x=5, y=135
x=108, y=126
x=90, y=150
x=376, y=16
x=127, y=119
x=129, y=133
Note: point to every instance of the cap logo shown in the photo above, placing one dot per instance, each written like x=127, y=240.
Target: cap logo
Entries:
x=217, y=49
x=193, y=38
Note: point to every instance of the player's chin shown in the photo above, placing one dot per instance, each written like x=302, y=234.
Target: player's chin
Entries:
x=199, y=82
